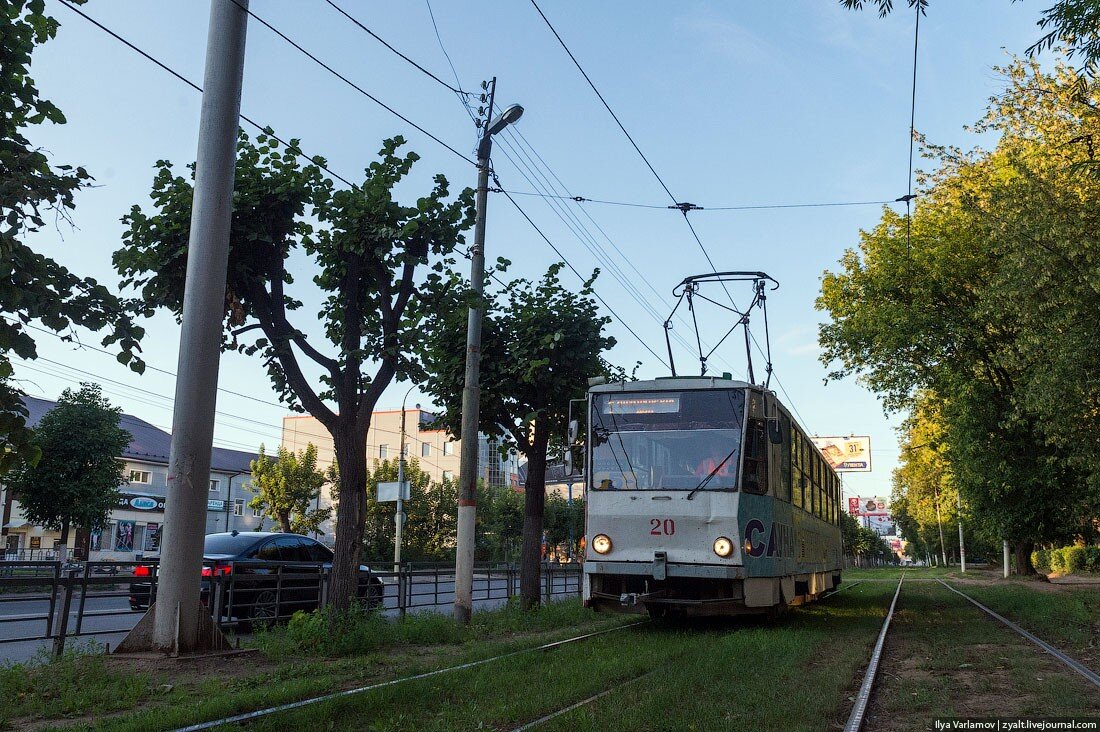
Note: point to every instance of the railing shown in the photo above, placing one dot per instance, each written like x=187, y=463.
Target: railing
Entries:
x=61, y=597
x=35, y=555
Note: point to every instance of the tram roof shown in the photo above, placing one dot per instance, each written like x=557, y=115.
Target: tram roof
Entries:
x=682, y=383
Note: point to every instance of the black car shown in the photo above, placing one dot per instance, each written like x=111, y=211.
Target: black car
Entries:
x=270, y=575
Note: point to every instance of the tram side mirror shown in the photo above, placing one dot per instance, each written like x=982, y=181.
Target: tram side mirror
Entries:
x=574, y=431
x=569, y=461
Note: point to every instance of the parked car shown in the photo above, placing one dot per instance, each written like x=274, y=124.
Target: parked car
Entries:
x=255, y=559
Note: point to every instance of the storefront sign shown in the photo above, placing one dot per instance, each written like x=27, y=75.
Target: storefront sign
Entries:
x=215, y=504
x=136, y=502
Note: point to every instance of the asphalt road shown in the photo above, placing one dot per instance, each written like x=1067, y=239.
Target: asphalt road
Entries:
x=107, y=619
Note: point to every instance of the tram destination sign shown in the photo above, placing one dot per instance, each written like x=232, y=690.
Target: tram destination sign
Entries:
x=643, y=405
x=851, y=454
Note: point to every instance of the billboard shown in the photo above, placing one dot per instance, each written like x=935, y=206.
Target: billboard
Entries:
x=851, y=454
x=872, y=512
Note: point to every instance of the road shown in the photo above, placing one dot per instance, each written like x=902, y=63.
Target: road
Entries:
x=107, y=618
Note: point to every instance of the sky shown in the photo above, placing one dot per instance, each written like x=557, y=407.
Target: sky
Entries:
x=733, y=103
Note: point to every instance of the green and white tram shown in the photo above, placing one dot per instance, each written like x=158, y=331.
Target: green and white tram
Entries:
x=704, y=498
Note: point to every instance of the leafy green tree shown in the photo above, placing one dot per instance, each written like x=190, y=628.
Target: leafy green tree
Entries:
x=34, y=287
x=540, y=344
x=992, y=307
x=287, y=487
x=499, y=523
x=431, y=515
x=369, y=255
x=76, y=480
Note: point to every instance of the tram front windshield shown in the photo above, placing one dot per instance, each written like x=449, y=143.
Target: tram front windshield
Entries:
x=672, y=440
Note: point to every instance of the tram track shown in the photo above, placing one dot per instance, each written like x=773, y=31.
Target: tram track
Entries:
x=857, y=716
x=859, y=709
x=1089, y=675
x=290, y=706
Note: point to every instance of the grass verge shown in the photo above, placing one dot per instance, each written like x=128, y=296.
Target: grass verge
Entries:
x=946, y=658
x=98, y=692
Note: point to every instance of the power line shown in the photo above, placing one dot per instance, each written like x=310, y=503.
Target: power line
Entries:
x=684, y=207
x=443, y=48
x=912, y=140
x=383, y=41
x=744, y=207
x=351, y=83
x=582, y=277
x=315, y=160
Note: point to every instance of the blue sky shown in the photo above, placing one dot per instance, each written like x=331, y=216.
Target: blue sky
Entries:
x=734, y=103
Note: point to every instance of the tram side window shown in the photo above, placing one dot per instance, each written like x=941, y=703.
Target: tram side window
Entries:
x=796, y=468
x=819, y=493
x=822, y=489
x=755, y=479
x=784, y=490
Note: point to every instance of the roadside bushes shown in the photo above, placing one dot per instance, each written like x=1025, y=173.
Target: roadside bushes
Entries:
x=1067, y=560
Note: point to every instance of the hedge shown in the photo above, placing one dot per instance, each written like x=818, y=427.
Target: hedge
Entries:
x=1067, y=560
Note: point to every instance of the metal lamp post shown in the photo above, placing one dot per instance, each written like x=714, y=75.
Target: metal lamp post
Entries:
x=471, y=394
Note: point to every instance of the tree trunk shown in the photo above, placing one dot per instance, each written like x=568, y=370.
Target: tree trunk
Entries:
x=65, y=533
x=284, y=521
x=1023, y=552
x=351, y=458
x=534, y=504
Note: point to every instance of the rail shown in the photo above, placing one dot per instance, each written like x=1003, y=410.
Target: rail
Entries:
x=55, y=601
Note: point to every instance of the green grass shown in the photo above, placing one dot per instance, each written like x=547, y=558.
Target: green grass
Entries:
x=66, y=687
x=1068, y=618
x=945, y=658
x=287, y=669
x=895, y=573
x=790, y=673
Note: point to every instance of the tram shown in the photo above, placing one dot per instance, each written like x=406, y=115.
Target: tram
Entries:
x=704, y=497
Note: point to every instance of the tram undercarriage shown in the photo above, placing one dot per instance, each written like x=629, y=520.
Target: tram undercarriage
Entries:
x=697, y=596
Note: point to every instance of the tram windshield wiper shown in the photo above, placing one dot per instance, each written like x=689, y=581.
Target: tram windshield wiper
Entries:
x=711, y=474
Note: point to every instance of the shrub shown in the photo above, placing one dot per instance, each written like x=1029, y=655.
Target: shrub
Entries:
x=1057, y=561
x=1040, y=559
x=1092, y=559
x=1074, y=558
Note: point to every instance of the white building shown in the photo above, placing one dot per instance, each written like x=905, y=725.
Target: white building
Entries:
x=135, y=525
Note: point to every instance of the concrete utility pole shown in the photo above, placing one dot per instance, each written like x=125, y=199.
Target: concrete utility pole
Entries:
x=471, y=391
x=1005, y=549
x=962, y=544
x=399, y=514
x=180, y=623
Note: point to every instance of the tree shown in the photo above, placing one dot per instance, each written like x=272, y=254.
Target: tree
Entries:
x=76, y=480
x=540, y=344
x=34, y=287
x=369, y=254
x=431, y=513
x=286, y=488
x=987, y=302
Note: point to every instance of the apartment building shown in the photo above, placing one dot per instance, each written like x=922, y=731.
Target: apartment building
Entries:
x=434, y=449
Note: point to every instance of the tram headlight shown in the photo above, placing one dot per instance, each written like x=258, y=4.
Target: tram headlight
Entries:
x=601, y=543
x=723, y=547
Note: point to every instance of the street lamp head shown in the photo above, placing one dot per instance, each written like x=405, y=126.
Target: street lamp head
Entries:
x=511, y=114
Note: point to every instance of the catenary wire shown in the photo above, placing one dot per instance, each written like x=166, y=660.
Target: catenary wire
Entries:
x=315, y=160
x=351, y=83
x=684, y=208
x=582, y=277
x=383, y=41
x=744, y=207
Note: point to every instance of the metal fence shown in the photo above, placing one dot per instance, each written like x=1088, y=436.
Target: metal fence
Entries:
x=66, y=599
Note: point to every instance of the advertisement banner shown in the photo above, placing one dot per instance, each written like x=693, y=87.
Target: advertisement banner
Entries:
x=124, y=536
x=152, y=537
x=851, y=454
x=138, y=502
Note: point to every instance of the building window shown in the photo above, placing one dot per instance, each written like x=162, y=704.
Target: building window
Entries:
x=448, y=448
x=214, y=484
x=425, y=450
x=140, y=476
x=238, y=507
x=448, y=475
x=257, y=512
x=383, y=452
